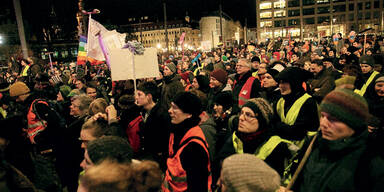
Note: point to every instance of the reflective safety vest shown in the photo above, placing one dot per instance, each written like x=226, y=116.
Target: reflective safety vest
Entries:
x=363, y=89
x=176, y=177
x=245, y=92
x=254, y=74
x=262, y=152
x=25, y=71
x=293, y=112
x=35, y=123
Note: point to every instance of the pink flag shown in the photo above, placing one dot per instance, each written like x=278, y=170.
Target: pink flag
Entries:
x=181, y=41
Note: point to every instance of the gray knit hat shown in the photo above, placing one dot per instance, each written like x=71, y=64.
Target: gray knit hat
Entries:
x=262, y=109
x=110, y=147
x=247, y=173
x=172, y=67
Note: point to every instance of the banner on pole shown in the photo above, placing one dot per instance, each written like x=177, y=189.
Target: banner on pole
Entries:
x=146, y=65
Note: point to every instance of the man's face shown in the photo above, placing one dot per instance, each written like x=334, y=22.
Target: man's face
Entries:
x=332, y=129
x=365, y=68
x=86, y=163
x=79, y=84
x=167, y=71
x=295, y=58
x=315, y=69
x=141, y=98
x=331, y=54
x=91, y=92
x=242, y=68
x=268, y=81
x=86, y=135
x=327, y=64
x=213, y=82
x=285, y=88
x=255, y=65
x=262, y=69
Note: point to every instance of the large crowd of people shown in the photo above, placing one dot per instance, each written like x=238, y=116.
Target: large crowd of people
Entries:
x=275, y=116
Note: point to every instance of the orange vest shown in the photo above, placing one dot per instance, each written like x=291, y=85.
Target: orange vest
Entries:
x=35, y=123
x=245, y=92
x=176, y=177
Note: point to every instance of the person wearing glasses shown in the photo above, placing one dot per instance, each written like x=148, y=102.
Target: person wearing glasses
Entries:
x=245, y=86
x=254, y=136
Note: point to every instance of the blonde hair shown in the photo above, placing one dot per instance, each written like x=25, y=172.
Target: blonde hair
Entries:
x=98, y=105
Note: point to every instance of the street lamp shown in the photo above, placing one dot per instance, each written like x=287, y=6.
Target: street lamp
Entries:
x=1, y=39
x=332, y=21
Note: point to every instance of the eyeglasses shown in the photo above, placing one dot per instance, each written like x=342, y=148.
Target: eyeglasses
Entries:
x=248, y=115
x=240, y=66
x=85, y=142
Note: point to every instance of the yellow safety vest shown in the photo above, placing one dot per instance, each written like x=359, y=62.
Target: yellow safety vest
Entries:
x=25, y=71
x=254, y=74
x=3, y=112
x=262, y=152
x=293, y=112
x=363, y=89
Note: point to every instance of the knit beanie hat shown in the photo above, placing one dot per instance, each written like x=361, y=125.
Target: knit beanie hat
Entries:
x=110, y=147
x=65, y=90
x=380, y=79
x=273, y=72
x=220, y=75
x=262, y=109
x=348, y=107
x=188, y=103
x=247, y=173
x=17, y=89
x=171, y=66
x=224, y=99
x=365, y=59
x=203, y=83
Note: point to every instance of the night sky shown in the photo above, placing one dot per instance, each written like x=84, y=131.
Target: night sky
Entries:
x=115, y=12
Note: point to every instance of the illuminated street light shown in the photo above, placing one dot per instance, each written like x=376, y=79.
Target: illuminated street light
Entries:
x=158, y=46
x=1, y=39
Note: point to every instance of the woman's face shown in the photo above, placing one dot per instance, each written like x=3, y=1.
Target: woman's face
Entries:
x=248, y=122
x=379, y=88
x=195, y=84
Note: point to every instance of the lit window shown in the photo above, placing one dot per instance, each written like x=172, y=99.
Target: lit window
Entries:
x=279, y=4
x=279, y=13
x=266, y=5
x=266, y=24
x=266, y=14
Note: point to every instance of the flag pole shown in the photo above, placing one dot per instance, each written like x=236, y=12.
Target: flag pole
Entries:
x=94, y=11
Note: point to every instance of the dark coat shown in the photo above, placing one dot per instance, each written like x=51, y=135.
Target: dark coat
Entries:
x=171, y=87
x=239, y=83
x=275, y=159
x=307, y=119
x=154, y=135
x=321, y=85
x=342, y=165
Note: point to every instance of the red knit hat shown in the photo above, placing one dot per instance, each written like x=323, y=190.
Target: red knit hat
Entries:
x=220, y=75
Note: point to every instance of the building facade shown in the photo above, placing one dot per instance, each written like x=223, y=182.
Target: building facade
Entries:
x=210, y=31
x=152, y=34
x=309, y=18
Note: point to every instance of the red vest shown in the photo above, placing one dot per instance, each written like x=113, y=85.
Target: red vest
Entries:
x=176, y=177
x=133, y=133
x=245, y=92
x=35, y=124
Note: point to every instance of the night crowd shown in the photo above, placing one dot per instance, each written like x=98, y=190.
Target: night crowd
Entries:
x=234, y=119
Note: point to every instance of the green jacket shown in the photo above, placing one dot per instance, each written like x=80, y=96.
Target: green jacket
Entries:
x=337, y=166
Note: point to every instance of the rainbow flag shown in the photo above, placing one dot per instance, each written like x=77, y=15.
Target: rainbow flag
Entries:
x=82, y=52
